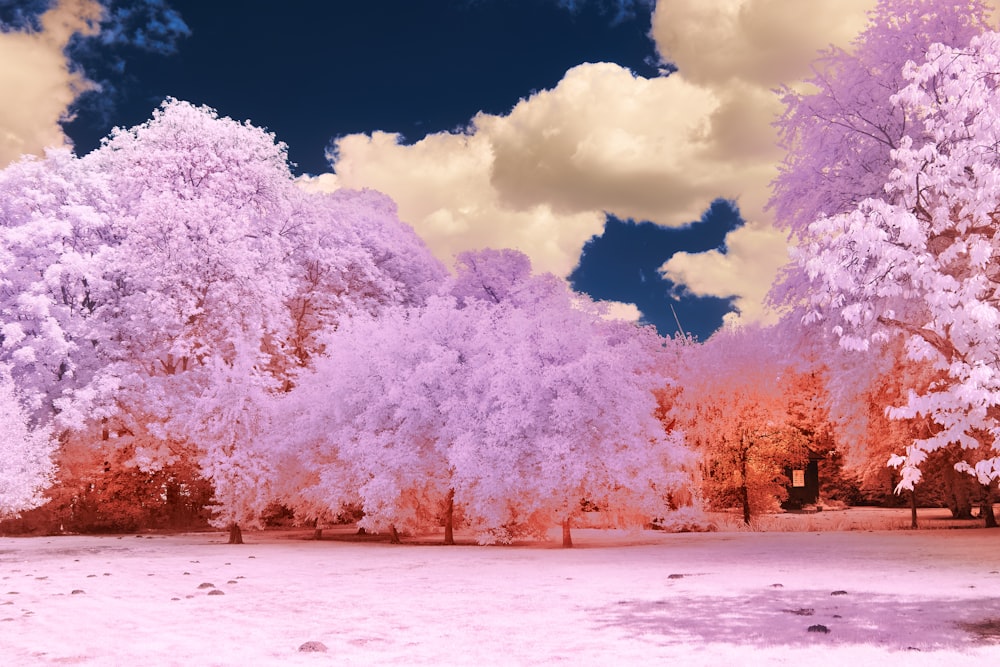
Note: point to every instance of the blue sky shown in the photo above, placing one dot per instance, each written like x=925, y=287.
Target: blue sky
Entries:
x=553, y=126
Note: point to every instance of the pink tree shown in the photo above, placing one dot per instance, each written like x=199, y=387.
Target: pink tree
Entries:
x=921, y=261
x=56, y=290
x=26, y=452
x=839, y=134
x=511, y=406
x=233, y=272
x=735, y=408
x=366, y=427
x=141, y=281
x=565, y=409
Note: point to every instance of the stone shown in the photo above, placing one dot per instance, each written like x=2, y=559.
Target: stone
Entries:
x=313, y=647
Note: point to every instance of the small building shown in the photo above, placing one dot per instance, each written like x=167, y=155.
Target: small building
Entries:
x=803, y=486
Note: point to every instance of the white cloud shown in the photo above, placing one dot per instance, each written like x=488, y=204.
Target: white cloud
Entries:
x=540, y=178
x=616, y=310
x=443, y=187
x=740, y=51
x=603, y=140
x=37, y=82
x=754, y=254
x=758, y=42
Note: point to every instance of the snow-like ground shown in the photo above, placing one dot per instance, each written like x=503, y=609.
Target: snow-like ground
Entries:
x=929, y=597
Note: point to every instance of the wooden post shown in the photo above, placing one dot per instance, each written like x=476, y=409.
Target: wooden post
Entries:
x=567, y=541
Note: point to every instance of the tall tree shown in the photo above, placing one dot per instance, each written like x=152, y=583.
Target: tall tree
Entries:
x=513, y=402
x=734, y=407
x=138, y=282
x=839, y=131
x=566, y=414
x=923, y=261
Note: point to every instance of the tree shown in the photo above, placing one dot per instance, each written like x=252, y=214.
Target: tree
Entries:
x=566, y=412
x=876, y=382
x=840, y=131
x=510, y=402
x=733, y=407
x=26, y=465
x=922, y=260
x=367, y=423
x=138, y=281
x=56, y=232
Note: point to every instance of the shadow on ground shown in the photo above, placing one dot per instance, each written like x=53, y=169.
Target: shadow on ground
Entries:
x=809, y=618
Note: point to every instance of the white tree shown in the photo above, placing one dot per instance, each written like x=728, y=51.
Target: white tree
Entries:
x=366, y=426
x=924, y=259
x=514, y=403
x=138, y=282
x=57, y=234
x=26, y=451
x=563, y=413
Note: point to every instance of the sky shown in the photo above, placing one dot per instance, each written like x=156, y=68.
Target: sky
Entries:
x=625, y=145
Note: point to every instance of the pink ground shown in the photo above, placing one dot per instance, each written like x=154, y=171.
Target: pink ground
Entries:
x=930, y=597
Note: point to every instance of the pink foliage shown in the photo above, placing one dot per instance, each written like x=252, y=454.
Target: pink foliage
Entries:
x=734, y=406
x=173, y=280
x=922, y=260
x=840, y=134
x=519, y=401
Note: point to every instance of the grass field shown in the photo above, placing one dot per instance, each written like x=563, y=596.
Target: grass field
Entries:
x=872, y=596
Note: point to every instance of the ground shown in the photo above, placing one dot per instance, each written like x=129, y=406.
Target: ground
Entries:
x=884, y=597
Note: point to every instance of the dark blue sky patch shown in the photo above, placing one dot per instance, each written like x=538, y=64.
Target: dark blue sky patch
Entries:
x=328, y=69
x=623, y=263
x=21, y=14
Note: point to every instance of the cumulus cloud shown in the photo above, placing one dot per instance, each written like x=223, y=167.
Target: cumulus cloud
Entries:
x=541, y=178
x=604, y=140
x=754, y=253
x=616, y=310
x=37, y=82
x=756, y=42
x=443, y=187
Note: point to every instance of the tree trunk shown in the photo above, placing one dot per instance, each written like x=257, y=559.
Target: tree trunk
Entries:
x=958, y=483
x=913, y=509
x=317, y=530
x=567, y=537
x=449, y=518
x=175, y=504
x=986, y=507
x=745, y=500
x=744, y=489
x=394, y=535
x=235, y=534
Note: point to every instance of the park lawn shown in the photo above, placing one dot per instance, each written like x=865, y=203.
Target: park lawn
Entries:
x=927, y=597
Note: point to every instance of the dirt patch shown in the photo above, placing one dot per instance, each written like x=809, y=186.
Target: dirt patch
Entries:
x=984, y=631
